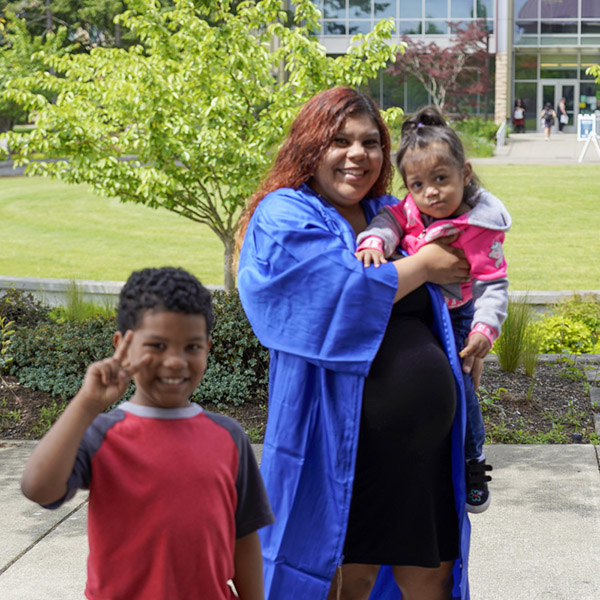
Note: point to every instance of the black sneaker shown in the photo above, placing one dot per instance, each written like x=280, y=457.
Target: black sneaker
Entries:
x=478, y=495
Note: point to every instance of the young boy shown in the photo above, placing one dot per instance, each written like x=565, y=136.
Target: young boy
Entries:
x=175, y=493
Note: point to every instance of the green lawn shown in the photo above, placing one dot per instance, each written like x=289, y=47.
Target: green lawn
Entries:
x=50, y=229
x=554, y=243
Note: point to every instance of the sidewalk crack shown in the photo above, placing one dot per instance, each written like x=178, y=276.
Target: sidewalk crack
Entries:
x=38, y=540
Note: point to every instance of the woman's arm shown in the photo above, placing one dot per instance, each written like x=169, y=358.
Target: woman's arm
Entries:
x=435, y=263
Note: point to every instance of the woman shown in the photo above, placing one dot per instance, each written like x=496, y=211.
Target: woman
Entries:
x=548, y=116
x=519, y=116
x=324, y=318
x=563, y=116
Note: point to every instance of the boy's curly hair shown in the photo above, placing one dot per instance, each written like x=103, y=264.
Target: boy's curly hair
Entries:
x=166, y=289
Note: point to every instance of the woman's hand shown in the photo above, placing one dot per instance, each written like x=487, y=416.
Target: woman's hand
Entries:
x=444, y=263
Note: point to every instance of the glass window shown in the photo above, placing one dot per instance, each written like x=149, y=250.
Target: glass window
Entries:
x=436, y=27
x=410, y=27
x=590, y=27
x=553, y=40
x=436, y=9
x=590, y=40
x=385, y=9
x=526, y=66
x=416, y=95
x=559, y=27
x=528, y=94
x=589, y=97
x=409, y=9
x=558, y=66
x=355, y=27
x=485, y=9
x=559, y=8
x=588, y=61
x=526, y=27
x=334, y=9
x=359, y=9
x=334, y=28
x=462, y=9
x=590, y=8
x=526, y=9
x=393, y=91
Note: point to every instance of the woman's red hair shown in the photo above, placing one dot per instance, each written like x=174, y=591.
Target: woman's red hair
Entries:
x=311, y=134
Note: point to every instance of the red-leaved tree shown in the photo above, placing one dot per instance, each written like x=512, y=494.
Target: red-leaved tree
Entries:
x=453, y=75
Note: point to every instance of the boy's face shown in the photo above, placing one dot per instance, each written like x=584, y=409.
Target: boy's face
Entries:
x=176, y=348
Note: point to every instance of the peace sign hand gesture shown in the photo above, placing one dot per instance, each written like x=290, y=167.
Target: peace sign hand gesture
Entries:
x=106, y=381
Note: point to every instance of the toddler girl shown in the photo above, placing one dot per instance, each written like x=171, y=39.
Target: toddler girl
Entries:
x=445, y=199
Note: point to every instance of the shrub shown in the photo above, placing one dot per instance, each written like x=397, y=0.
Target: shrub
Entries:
x=559, y=334
x=572, y=325
x=477, y=135
x=22, y=308
x=510, y=345
x=53, y=356
x=238, y=366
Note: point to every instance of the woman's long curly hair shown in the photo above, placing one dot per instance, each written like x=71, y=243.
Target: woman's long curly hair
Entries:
x=309, y=138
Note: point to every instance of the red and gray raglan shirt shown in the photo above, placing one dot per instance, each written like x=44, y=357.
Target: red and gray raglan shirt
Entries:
x=170, y=492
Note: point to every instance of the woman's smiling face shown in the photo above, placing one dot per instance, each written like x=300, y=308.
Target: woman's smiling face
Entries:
x=351, y=165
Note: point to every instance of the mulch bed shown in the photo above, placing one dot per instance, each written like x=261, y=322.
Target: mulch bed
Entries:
x=511, y=403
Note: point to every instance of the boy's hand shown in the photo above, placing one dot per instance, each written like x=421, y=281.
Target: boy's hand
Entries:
x=477, y=346
x=370, y=256
x=106, y=381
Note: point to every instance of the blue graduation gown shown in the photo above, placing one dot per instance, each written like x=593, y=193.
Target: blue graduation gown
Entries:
x=323, y=316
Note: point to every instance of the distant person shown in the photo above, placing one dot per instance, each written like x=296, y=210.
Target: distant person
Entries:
x=175, y=492
x=445, y=199
x=519, y=116
x=548, y=117
x=563, y=117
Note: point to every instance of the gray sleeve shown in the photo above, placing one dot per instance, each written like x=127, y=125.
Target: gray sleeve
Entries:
x=90, y=444
x=385, y=226
x=253, y=510
x=490, y=299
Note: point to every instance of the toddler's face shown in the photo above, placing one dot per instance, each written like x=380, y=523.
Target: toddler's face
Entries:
x=177, y=345
x=435, y=182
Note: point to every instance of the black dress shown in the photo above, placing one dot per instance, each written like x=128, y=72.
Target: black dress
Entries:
x=402, y=510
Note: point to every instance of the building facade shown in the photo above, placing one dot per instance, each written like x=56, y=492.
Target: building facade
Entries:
x=541, y=48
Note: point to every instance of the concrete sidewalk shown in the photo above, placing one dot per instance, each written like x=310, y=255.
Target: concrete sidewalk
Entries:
x=540, y=538
x=531, y=148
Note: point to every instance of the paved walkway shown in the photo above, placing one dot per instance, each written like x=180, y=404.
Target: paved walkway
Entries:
x=540, y=538
x=531, y=148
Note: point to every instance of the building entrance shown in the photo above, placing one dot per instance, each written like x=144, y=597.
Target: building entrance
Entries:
x=552, y=91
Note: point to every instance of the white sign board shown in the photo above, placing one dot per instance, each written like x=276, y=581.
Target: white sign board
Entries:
x=586, y=126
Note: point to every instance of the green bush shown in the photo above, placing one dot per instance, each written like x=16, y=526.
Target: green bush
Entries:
x=53, y=356
x=238, y=366
x=22, y=308
x=477, y=135
x=477, y=127
x=558, y=334
x=572, y=325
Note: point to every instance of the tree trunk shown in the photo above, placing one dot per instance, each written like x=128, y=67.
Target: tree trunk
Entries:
x=118, y=35
x=228, y=266
x=48, y=16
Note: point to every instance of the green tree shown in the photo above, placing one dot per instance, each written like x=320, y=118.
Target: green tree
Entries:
x=189, y=119
x=17, y=59
x=89, y=22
